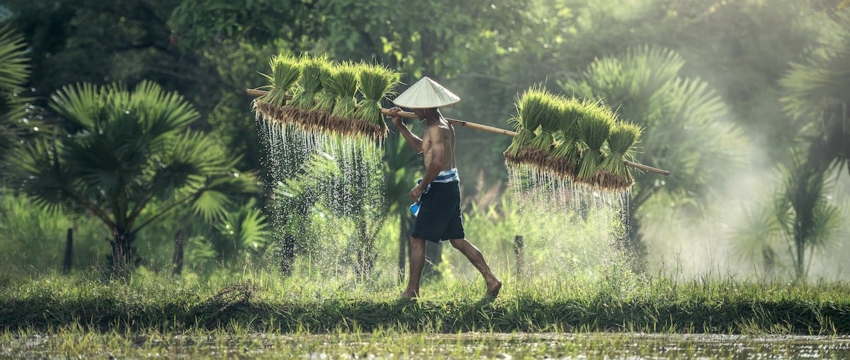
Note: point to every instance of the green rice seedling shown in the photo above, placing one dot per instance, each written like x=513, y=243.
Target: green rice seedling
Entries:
x=376, y=81
x=623, y=137
x=520, y=141
x=565, y=155
x=303, y=101
x=312, y=69
x=533, y=106
x=286, y=70
x=326, y=97
x=549, y=123
x=344, y=84
x=593, y=130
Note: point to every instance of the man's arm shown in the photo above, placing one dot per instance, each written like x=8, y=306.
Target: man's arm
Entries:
x=414, y=141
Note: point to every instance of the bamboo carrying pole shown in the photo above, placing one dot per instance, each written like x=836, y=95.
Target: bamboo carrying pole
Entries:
x=472, y=125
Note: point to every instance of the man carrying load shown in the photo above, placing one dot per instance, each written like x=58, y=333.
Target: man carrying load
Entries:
x=437, y=195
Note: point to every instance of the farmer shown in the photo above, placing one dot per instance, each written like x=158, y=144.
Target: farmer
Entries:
x=437, y=195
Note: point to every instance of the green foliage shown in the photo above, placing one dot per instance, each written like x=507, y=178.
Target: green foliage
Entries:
x=806, y=217
x=241, y=232
x=33, y=240
x=14, y=69
x=258, y=21
x=123, y=151
x=339, y=187
x=801, y=219
x=14, y=72
x=817, y=94
x=676, y=113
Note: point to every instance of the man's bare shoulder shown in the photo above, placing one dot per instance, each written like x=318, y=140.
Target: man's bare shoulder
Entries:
x=438, y=131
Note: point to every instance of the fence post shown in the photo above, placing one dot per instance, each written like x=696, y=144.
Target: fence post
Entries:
x=520, y=262
x=178, y=253
x=69, y=252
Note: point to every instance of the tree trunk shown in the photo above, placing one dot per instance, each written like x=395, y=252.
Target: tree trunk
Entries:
x=433, y=258
x=123, y=253
x=287, y=254
x=69, y=251
x=178, y=253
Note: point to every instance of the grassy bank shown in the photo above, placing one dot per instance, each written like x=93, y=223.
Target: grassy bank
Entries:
x=267, y=303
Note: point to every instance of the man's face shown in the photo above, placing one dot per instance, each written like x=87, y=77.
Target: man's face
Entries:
x=420, y=114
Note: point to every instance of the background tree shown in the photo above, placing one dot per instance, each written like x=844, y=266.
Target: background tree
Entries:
x=682, y=120
x=817, y=96
x=121, y=151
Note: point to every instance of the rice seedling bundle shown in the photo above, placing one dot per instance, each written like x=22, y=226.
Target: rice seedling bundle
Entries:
x=593, y=130
x=344, y=84
x=614, y=174
x=534, y=106
x=549, y=123
x=310, y=84
x=520, y=141
x=286, y=71
x=376, y=81
x=531, y=108
x=565, y=155
x=326, y=97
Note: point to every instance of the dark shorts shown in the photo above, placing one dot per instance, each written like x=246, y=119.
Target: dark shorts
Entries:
x=439, y=213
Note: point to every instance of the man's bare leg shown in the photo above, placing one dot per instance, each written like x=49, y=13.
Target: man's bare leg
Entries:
x=474, y=255
x=417, y=262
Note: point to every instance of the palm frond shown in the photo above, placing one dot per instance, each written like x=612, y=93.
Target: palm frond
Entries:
x=14, y=67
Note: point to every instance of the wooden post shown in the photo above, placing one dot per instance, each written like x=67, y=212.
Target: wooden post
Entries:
x=178, y=253
x=69, y=252
x=520, y=262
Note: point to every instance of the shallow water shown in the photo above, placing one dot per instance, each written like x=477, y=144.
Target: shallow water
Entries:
x=431, y=346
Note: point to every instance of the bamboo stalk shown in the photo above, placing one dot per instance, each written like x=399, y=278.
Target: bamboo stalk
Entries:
x=472, y=125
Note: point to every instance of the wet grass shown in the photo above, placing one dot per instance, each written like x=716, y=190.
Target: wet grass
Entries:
x=261, y=302
x=236, y=342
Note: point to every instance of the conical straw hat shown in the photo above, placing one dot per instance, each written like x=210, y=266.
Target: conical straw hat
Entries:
x=425, y=94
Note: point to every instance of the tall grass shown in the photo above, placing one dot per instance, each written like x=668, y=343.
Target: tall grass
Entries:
x=262, y=301
x=32, y=240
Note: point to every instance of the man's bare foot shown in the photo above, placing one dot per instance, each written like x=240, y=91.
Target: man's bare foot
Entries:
x=410, y=294
x=493, y=287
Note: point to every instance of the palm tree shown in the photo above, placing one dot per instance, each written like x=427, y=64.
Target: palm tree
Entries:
x=817, y=95
x=808, y=221
x=120, y=152
x=682, y=122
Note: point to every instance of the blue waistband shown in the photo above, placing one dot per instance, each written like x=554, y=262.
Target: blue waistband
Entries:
x=447, y=176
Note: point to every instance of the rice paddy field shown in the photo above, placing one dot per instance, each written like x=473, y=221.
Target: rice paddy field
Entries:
x=260, y=315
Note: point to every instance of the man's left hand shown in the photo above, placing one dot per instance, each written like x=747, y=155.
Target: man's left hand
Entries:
x=415, y=192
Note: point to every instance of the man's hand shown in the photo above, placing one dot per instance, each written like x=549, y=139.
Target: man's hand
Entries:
x=395, y=116
x=415, y=193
